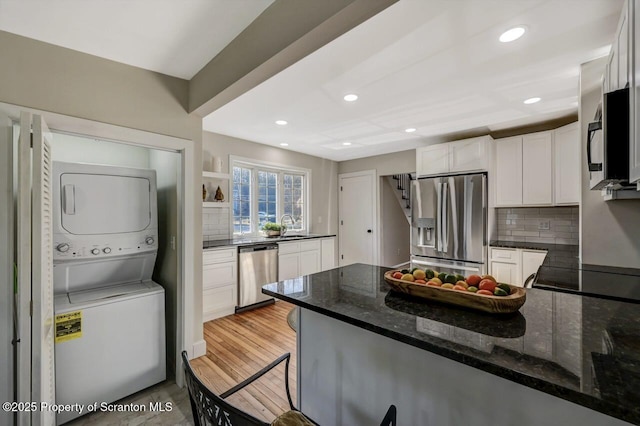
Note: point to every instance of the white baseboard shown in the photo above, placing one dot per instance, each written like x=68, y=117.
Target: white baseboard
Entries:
x=199, y=349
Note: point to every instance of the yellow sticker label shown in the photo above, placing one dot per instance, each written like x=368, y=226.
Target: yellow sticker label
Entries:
x=68, y=326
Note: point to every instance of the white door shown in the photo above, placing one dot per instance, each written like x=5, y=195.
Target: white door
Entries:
x=36, y=368
x=357, y=214
x=568, y=175
x=432, y=160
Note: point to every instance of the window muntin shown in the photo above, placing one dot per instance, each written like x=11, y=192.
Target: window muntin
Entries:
x=261, y=195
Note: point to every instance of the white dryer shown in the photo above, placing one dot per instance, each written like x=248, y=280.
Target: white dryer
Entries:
x=110, y=315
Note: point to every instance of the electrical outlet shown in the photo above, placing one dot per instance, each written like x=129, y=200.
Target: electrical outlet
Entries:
x=544, y=225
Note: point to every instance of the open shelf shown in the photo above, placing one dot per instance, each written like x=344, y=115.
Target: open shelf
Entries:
x=215, y=175
x=216, y=204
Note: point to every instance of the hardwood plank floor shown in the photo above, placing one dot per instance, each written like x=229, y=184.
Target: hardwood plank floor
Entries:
x=240, y=345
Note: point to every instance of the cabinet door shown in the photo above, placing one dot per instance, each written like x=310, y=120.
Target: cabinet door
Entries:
x=310, y=262
x=218, y=302
x=566, y=147
x=505, y=272
x=531, y=261
x=508, y=171
x=612, y=68
x=288, y=266
x=468, y=155
x=622, y=40
x=537, y=169
x=328, y=258
x=219, y=274
x=432, y=160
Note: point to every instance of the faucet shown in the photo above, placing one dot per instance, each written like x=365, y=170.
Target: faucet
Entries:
x=283, y=228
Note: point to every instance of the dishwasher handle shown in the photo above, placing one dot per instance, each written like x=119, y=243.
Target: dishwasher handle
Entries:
x=262, y=247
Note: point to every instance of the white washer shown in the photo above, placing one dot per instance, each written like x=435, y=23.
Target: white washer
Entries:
x=110, y=320
x=121, y=349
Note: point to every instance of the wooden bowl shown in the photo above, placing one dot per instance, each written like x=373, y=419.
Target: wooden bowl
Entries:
x=480, y=302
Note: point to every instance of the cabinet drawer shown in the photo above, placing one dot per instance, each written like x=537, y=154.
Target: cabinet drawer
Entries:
x=504, y=255
x=219, y=274
x=216, y=256
x=286, y=248
x=310, y=245
x=219, y=298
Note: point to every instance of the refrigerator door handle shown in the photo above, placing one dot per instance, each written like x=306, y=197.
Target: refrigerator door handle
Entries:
x=439, y=217
x=444, y=215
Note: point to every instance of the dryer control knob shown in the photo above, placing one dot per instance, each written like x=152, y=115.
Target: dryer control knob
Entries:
x=149, y=240
x=95, y=251
x=62, y=248
x=106, y=250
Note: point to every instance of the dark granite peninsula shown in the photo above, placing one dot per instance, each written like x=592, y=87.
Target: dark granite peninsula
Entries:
x=562, y=359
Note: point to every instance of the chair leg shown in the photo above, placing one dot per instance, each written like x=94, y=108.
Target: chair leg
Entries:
x=390, y=417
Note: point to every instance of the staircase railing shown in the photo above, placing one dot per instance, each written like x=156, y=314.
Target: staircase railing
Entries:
x=404, y=185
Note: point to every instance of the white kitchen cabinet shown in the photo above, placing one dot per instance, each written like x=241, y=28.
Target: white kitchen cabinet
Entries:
x=537, y=172
x=531, y=261
x=567, y=171
x=328, y=260
x=219, y=283
x=454, y=157
x=432, y=160
x=622, y=42
x=513, y=265
x=288, y=266
x=508, y=171
x=303, y=257
x=504, y=272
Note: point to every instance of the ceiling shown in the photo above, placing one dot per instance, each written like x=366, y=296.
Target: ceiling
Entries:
x=434, y=65
x=173, y=37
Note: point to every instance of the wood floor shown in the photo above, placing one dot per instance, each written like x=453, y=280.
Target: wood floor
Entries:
x=240, y=345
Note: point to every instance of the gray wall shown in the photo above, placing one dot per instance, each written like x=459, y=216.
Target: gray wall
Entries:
x=50, y=78
x=324, y=186
x=386, y=164
x=396, y=232
x=610, y=230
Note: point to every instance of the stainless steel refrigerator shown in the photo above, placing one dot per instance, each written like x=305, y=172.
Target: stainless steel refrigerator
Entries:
x=449, y=224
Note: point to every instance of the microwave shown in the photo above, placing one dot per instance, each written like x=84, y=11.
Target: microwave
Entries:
x=608, y=142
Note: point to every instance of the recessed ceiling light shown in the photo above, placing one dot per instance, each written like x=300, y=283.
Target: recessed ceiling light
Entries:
x=281, y=122
x=284, y=144
x=410, y=130
x=512, y=34
x=531, y=100
x=346, y=143
x=350, y=97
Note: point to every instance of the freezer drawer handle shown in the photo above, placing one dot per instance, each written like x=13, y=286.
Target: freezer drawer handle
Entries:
x=440, y=265
x=69, y=199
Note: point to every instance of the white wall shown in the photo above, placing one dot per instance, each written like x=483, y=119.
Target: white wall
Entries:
x=81, y=149
x=610, y=231
x=396, y=232
x=324, y=174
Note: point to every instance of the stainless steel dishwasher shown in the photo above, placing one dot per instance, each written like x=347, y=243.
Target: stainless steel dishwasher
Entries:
x=258, y=266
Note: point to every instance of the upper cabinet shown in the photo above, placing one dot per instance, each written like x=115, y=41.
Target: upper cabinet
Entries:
x=617, y=72
x=566, y=153
x=467, y=155
x=538, y=169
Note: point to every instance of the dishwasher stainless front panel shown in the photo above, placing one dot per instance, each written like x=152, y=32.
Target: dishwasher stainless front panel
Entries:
x=258, y=266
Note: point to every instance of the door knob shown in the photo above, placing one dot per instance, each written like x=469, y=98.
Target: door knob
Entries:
x=369, y=231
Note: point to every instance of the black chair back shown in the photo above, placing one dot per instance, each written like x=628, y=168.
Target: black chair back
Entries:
x=210, y=409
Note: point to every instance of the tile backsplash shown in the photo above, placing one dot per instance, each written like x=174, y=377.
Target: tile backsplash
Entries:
x=554, y=225
x=215, y=223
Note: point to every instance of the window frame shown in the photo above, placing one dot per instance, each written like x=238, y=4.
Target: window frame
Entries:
x=280, y=170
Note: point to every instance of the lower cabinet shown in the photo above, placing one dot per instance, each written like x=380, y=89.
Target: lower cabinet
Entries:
x=512, y=265
x=298, y=258
x=219, y=283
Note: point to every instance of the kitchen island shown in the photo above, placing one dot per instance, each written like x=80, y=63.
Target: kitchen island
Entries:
x=563, y=359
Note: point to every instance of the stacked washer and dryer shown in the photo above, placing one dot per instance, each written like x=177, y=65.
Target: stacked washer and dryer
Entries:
x=110, y=315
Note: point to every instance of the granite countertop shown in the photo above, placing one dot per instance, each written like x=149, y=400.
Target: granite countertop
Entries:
x=558, y=255
x=248, y=241
x=582, y=349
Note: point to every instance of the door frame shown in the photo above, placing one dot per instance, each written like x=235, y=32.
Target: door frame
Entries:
x=186, y=336
x=376, y=211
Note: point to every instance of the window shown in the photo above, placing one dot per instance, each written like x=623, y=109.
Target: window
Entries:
x=263, y=193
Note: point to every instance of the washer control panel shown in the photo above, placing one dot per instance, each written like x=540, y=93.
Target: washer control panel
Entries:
x=68, y=247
